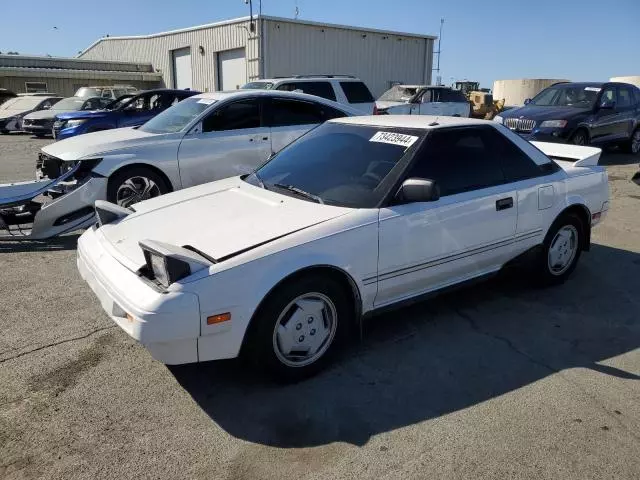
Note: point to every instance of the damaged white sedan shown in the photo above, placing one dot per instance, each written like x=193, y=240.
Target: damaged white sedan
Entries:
x=203, y=138
x=358, y=215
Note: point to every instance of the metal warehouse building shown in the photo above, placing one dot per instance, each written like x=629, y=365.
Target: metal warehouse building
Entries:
x=225, y=55
x=64, y=76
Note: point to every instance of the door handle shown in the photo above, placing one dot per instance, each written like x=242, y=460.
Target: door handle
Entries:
x=504, y=203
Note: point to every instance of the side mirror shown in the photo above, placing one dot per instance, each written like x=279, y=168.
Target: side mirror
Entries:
x=415, y=190
x=607, y=105
x=527, y=101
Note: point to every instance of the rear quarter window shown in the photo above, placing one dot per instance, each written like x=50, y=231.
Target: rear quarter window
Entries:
x=357, y=92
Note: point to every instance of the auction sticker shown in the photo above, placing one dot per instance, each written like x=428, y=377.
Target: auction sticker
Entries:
x=394, y=139
x=207, y=101
x=592, y=89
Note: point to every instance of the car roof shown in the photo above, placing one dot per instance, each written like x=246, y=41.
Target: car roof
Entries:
x=223, y=95
x=580, y=84
x=312, y=78
x=165, y=90
x=425, y=122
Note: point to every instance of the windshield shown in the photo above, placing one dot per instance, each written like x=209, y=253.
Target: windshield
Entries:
x=22, y=103
x=579, y=96
x=177, y=117
x=338, y=164
x=257, y=86
x=399, y=93
x=69, y=104
x=89, y=92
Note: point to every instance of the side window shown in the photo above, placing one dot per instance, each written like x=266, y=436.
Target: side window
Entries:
x=162, y=101
x=446, y=95
x=319, y=89
x=236, y=116
x=104, y=102
x=608, y=95
x=424, y=97
x=329, y=112
x=436, y=95
x=625, y=97
x=357, y=92
x=458, y=160
x=515, y=164
x=292, y=112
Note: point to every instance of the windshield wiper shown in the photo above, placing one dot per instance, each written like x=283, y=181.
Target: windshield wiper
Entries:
x=300, y=192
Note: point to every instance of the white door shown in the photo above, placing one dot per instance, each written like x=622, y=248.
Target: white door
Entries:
x=469, y=231
x=232, y=69
x=182, y=77
x=232, y=141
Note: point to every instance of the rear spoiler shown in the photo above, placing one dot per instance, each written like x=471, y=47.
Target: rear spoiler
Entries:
x=579, y=156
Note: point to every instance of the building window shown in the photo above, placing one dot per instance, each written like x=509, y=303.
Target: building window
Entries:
x=35, y=87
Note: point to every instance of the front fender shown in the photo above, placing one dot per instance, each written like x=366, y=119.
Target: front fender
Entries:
x=166, y=163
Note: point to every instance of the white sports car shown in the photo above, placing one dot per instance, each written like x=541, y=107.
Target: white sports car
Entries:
x=203, y=138
x=357, y=215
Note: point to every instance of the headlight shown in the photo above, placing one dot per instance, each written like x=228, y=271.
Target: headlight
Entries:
x=498, y=119
x=75, y=123
x=167, y=264
x=58, y=123
x=553, y=124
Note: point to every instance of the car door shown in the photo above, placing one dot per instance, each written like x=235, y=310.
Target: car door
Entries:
x=289, y=119
x=469, y=231
x=231, y=140
x=627, y=110
x=429, y=103
x=606, y=120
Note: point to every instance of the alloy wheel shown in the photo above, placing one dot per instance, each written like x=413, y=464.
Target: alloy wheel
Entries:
x=136, y=189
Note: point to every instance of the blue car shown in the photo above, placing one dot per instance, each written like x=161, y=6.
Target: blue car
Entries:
x=591, y=113
x=126, y=111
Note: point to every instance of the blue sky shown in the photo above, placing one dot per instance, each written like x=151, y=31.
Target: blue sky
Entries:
x=482, y=40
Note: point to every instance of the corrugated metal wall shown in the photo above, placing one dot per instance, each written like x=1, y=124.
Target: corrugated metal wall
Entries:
x=376, y=58
x=72, y=64
x=157, y=49
x=66, y=87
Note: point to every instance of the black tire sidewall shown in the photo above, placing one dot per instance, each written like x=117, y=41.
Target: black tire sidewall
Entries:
x=119, y=177
x=544, y=274
x=259, y=346
x=584, y=134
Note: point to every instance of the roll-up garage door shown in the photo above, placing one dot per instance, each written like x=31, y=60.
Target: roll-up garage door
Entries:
x=182, y=77
x=232, y=69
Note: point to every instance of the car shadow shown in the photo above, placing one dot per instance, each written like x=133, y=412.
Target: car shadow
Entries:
x=436, y=357
x=64, y=242
x=614, y=156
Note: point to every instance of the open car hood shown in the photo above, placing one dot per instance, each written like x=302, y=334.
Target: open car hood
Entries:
x=219, y=218
x=91, y=144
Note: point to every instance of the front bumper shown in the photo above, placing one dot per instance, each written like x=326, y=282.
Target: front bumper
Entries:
x=49, y=217
x=166, y=323
x=39, y=129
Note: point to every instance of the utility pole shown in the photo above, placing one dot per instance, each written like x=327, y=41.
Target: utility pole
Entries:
x=437, y=69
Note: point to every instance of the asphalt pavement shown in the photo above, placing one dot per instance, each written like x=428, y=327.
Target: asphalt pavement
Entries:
x=499, y=380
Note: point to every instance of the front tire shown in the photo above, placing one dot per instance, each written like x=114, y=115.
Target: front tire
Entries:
x=298, y=328
x=561, y=250
x=580, y=138
x=132, y=185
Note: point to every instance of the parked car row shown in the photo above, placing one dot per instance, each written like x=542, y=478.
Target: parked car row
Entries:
x=269, y=223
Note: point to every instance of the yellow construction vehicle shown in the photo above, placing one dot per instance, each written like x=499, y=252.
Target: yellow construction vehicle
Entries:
x=482, y=103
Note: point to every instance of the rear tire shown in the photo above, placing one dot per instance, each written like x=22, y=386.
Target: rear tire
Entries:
x=632, y=146
x=132, y=185
x=580, y=137
x=298, y=328
x=561, y=250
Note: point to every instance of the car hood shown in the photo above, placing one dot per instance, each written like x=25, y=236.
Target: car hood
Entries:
x=83, y=114
x=12, y=113
x=42, y=114
x=545, y=113
x=220, y=219
x=91, y=144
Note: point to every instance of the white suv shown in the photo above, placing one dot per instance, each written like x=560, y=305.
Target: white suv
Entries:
x=345, y=89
